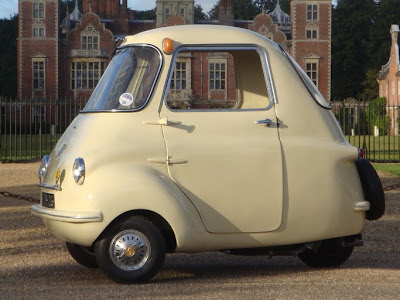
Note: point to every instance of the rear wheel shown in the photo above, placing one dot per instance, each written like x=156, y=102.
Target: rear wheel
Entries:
x=372, y=188
x=131, y=251
x=330, y=254
x=82, y=255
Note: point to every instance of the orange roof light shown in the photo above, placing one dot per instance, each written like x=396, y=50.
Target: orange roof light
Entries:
x=168, y=46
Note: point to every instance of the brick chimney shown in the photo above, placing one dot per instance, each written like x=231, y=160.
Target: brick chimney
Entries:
x=225, y=14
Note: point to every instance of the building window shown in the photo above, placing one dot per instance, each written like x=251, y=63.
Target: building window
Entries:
x=86, y=75
x=233, y=79
x=312, y=12
x=182, y=12
x=38, y=71
x=90, y=42
x=312, y=72
x=217, y=76
x=38, y=32
x=312, y=34
x=167, y=14
x=38, y=10
x=178, y=81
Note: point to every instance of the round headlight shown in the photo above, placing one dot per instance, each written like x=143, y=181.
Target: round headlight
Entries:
x=78, y=170
x=43, y=168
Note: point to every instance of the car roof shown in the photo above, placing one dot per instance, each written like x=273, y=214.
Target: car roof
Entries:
x=200, y=35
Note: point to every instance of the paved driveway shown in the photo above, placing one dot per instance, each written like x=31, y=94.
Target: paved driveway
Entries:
x=33, y=265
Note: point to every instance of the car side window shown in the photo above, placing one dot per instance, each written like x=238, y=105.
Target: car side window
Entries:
x=217, y=79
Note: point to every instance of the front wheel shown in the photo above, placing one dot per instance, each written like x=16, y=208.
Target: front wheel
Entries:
x=83, y=255
x=131, y=251
x=330, y=254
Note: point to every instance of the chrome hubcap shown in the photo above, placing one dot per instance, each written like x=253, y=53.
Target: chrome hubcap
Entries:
x=130, y=250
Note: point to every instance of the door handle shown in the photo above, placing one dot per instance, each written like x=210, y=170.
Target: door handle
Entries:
x=266, y=122
x=163, y=121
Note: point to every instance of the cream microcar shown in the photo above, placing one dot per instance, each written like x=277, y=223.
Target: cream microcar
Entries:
x=205, y=138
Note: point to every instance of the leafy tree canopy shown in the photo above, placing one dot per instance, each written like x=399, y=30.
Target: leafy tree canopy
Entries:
x=199, y=14
x=8, y=56
x=249, y=9
x=146, y=14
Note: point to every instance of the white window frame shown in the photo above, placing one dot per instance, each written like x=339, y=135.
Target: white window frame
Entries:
x=180, y=75
x=38, y=73
x=310, y=71
x=90, y=33
x=311, y=34
x=38, y=32
x=87, y=77
x=312, y=12
x=39, y=10
x=213, y=73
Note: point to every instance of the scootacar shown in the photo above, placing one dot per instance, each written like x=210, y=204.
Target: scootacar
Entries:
x=205, y=138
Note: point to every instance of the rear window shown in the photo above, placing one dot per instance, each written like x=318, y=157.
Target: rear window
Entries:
x=312, y=89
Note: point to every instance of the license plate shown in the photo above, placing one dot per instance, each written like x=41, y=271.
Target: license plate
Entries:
x=48, y=200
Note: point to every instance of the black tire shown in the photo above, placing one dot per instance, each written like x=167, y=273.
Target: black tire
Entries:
x=330, y=254
x=131, y=251
x=372, y=188
x=83, y=255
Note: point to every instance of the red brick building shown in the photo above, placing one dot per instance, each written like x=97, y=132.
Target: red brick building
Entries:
x=389, y=82
x=64, y=56
x=311, y=40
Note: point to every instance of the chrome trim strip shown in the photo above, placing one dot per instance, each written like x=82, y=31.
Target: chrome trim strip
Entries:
x=265, y=64
x=55, y=187
x=64, y=216
x=152, y=87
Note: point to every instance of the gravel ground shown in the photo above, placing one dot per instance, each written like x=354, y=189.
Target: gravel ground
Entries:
x=34, y=265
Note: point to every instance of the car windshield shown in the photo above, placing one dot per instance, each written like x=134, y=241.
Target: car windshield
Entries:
x=128, y=82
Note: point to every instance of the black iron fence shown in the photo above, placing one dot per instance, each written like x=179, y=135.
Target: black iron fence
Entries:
x=372, y=126
x=30, y=128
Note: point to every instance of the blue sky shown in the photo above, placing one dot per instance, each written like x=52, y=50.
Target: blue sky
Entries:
x=10, y=7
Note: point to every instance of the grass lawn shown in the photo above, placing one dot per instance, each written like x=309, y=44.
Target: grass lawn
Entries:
x=25, y=147
x=390, y=168
x=378, y=148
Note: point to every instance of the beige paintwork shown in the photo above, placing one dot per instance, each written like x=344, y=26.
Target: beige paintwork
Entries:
x=230, y=183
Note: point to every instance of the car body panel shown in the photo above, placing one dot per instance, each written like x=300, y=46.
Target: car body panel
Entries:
x=307, y=173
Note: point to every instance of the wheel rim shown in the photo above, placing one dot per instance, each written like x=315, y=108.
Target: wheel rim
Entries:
x=130, y=250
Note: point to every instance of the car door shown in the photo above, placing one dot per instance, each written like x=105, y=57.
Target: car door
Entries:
x=222, y=140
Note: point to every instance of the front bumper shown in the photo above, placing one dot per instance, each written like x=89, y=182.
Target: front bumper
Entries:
x=66, y=216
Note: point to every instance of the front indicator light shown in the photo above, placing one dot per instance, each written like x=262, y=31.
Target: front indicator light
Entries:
x=43, y=168
x=78, y=170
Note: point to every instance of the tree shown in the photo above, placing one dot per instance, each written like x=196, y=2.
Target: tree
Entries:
x=243, y=10
x=8, y=56
x=213, y=13
x=388, y=13
x=146, y=14
x=352, y=23
x=370, y=85
x=199, y=14
x=376, y=116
